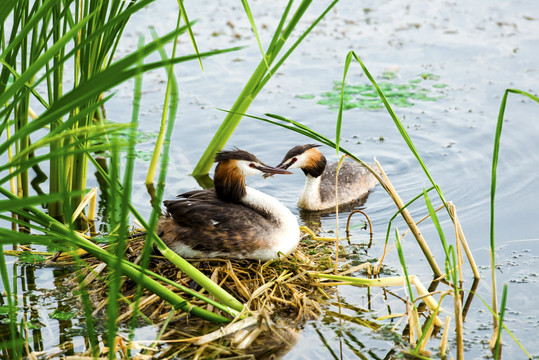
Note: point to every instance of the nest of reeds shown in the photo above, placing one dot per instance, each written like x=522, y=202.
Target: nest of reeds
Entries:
x=279, y=296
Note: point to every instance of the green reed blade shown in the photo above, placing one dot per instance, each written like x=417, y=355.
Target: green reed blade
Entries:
x=12, y=320
x=117, y=248
x=137, y=95
x=403, y=266
x=169, y=107
x=61, y=232
x=398, y=124
x=40, y=63
x=247, y=10
x=495, y=155
x=305, y=130
x=8, y=205
x=498, y=349
x=341, y=102
x=6, y=8
x=256, y=82
x=436, y=222
x=190, y=31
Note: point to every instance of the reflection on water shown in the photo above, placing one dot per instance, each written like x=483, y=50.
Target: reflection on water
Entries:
x=477, y=50
x=313, y=219
x=37, y=299
x=348, y=329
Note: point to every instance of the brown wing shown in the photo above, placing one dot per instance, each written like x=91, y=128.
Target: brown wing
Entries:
x=201, y=221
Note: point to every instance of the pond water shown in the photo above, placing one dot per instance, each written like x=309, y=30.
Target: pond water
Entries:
x=471, y=51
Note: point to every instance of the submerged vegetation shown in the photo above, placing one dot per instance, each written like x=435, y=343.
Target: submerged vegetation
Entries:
x=128, y=278
x=364, y=96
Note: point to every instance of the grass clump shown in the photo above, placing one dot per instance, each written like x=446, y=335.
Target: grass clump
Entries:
x=279, y=296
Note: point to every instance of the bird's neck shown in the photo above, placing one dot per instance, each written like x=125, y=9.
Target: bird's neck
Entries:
x=310, y=195
x=229, y=183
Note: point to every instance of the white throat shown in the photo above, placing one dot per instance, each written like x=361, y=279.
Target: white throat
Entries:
x=310, y=195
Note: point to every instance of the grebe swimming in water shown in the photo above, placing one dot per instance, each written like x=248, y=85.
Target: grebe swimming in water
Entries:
x=232, y=220
x=319, y=191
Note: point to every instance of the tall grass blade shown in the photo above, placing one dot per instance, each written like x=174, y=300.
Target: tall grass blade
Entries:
x=12, y=319
x=498, y=348
x=254, y=85
x=495, y=155
x=117, y=247
x=170, y=105
x=190, y=31
x=404, y=268
x=398, y=124
x=436, y=223
x=137, y=95
x=339, y=116
x=247, y=9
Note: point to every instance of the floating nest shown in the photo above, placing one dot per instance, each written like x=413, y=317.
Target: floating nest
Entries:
x=279, y=297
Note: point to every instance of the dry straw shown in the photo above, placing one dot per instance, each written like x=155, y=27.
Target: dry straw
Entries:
x=279, y=296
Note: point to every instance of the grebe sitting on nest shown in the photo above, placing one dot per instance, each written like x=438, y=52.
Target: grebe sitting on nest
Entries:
x=319, y=191
x=232, y=220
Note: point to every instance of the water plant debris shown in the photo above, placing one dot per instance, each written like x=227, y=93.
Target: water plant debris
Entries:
x=364, y=96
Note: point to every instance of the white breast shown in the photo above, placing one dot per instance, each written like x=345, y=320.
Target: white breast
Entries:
x=286, y=235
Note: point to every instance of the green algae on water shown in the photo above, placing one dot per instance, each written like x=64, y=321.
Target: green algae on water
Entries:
x=364, y=96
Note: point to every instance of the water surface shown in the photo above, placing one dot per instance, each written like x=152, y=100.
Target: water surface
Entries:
x=477, y=48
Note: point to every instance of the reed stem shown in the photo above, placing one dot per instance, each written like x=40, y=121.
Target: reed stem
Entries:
x=411, y=224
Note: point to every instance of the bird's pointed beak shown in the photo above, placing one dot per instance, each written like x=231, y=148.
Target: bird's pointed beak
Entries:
x=269, y=170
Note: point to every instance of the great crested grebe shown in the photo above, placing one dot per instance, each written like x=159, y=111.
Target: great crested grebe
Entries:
x=232, y=220
x=319, y=191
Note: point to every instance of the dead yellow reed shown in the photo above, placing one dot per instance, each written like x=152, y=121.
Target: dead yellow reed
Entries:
x=410, y=222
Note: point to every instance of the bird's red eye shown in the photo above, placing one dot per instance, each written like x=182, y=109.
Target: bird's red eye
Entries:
x=252, y=165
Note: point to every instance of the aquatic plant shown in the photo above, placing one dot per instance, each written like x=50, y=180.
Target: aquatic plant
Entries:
x=496, y=338
x=84, y=138
x=45, y=37
x=453, y=253
x=364, y=96
x=262, y=74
